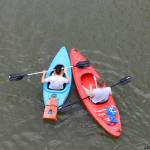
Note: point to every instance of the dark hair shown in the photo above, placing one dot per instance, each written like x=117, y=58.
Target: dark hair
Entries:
x=58, y=69
x=101, y=82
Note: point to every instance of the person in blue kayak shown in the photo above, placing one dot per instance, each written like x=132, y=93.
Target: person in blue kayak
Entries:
x=57, y=79
x=100, y=94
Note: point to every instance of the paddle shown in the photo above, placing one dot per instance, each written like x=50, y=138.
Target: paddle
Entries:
x=66, y=107
x=122, y=81
x=20, y=76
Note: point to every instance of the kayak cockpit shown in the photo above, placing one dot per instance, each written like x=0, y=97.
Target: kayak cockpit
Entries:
x=51, y=73
x=88, y=80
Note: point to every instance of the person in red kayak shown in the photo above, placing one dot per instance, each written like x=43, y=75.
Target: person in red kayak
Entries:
x=100, y=94
x=57, y=79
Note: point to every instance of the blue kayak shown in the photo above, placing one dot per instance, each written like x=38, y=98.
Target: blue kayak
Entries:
x=61, y=58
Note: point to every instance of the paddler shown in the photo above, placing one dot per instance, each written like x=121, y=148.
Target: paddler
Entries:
x=58, y=78
x=100, y=94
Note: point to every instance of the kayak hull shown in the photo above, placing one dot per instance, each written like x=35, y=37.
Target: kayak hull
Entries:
x=61, y=58
x=85, y=76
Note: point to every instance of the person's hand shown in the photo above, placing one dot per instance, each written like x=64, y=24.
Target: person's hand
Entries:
x=65, y=70
x=98, y=75
x=44, y=71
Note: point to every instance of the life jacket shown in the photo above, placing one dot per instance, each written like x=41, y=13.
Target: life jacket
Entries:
x=50, y=112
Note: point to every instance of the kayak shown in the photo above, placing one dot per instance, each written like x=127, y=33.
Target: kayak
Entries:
x=105, y=114
x=56, y=98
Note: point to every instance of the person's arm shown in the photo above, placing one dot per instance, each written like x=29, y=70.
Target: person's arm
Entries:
x=89, y=92
x=86, y=90
x=43, y=76
x=67, y=77
x=95, y=81
x=110, y=91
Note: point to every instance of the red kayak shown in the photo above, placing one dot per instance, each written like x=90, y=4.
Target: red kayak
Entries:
x=106, y=114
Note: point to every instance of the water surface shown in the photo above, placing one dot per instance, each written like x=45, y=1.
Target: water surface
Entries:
x=113, y=34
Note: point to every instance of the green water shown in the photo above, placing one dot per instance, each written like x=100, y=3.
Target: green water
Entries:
x=113, y=34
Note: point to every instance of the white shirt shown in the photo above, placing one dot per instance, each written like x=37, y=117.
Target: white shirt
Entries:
x=56, y=81
x=100, y=94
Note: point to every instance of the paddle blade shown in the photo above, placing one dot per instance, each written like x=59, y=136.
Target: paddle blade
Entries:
x=82, y=64
x=16, y=77
x=125, y=80
x=63, y=110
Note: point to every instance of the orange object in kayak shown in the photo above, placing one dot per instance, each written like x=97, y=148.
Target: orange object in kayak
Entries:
x=101, y=112
x=50, y=112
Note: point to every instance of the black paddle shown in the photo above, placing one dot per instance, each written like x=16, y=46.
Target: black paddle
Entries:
x=20, y=76
x=122, y=81
x=66, y=107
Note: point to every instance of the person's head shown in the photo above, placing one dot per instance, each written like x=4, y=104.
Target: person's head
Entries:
x=100, y=83
x=58, y=69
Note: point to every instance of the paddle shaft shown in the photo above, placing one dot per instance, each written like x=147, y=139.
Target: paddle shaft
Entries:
x=35, y=73
x=80, y=64
x=124, y=80
x=65, y=106
x=20, y=76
